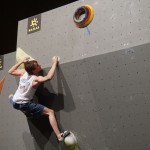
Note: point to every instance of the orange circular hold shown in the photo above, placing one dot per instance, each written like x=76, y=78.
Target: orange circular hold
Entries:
x=83, y=16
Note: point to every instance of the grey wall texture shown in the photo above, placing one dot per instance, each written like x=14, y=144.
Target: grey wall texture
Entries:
x=101, y=88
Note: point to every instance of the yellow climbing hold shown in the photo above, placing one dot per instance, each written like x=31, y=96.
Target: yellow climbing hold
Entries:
x=20, y=54
x=71, y=142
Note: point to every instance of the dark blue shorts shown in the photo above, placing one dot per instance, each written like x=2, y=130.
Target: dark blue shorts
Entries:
x=30, y=107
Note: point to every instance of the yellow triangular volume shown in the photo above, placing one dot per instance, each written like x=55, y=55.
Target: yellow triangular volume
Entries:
x=20, y=54
x=1, y=84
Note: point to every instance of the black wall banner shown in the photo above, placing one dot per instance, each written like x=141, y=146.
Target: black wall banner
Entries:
x=1, y=62
x=34, y=24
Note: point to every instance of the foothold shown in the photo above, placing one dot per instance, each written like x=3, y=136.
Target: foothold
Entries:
x=83, y=16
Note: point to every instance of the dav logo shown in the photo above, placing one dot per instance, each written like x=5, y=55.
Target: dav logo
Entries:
x=34, y=24
x=1, y=62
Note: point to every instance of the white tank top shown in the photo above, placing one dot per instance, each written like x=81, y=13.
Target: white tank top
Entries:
x=25, y=91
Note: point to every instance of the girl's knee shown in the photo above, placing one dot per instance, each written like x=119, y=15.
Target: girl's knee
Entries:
x=48, y=111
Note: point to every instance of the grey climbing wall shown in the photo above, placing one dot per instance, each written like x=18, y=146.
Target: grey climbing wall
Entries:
x=101, y=88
